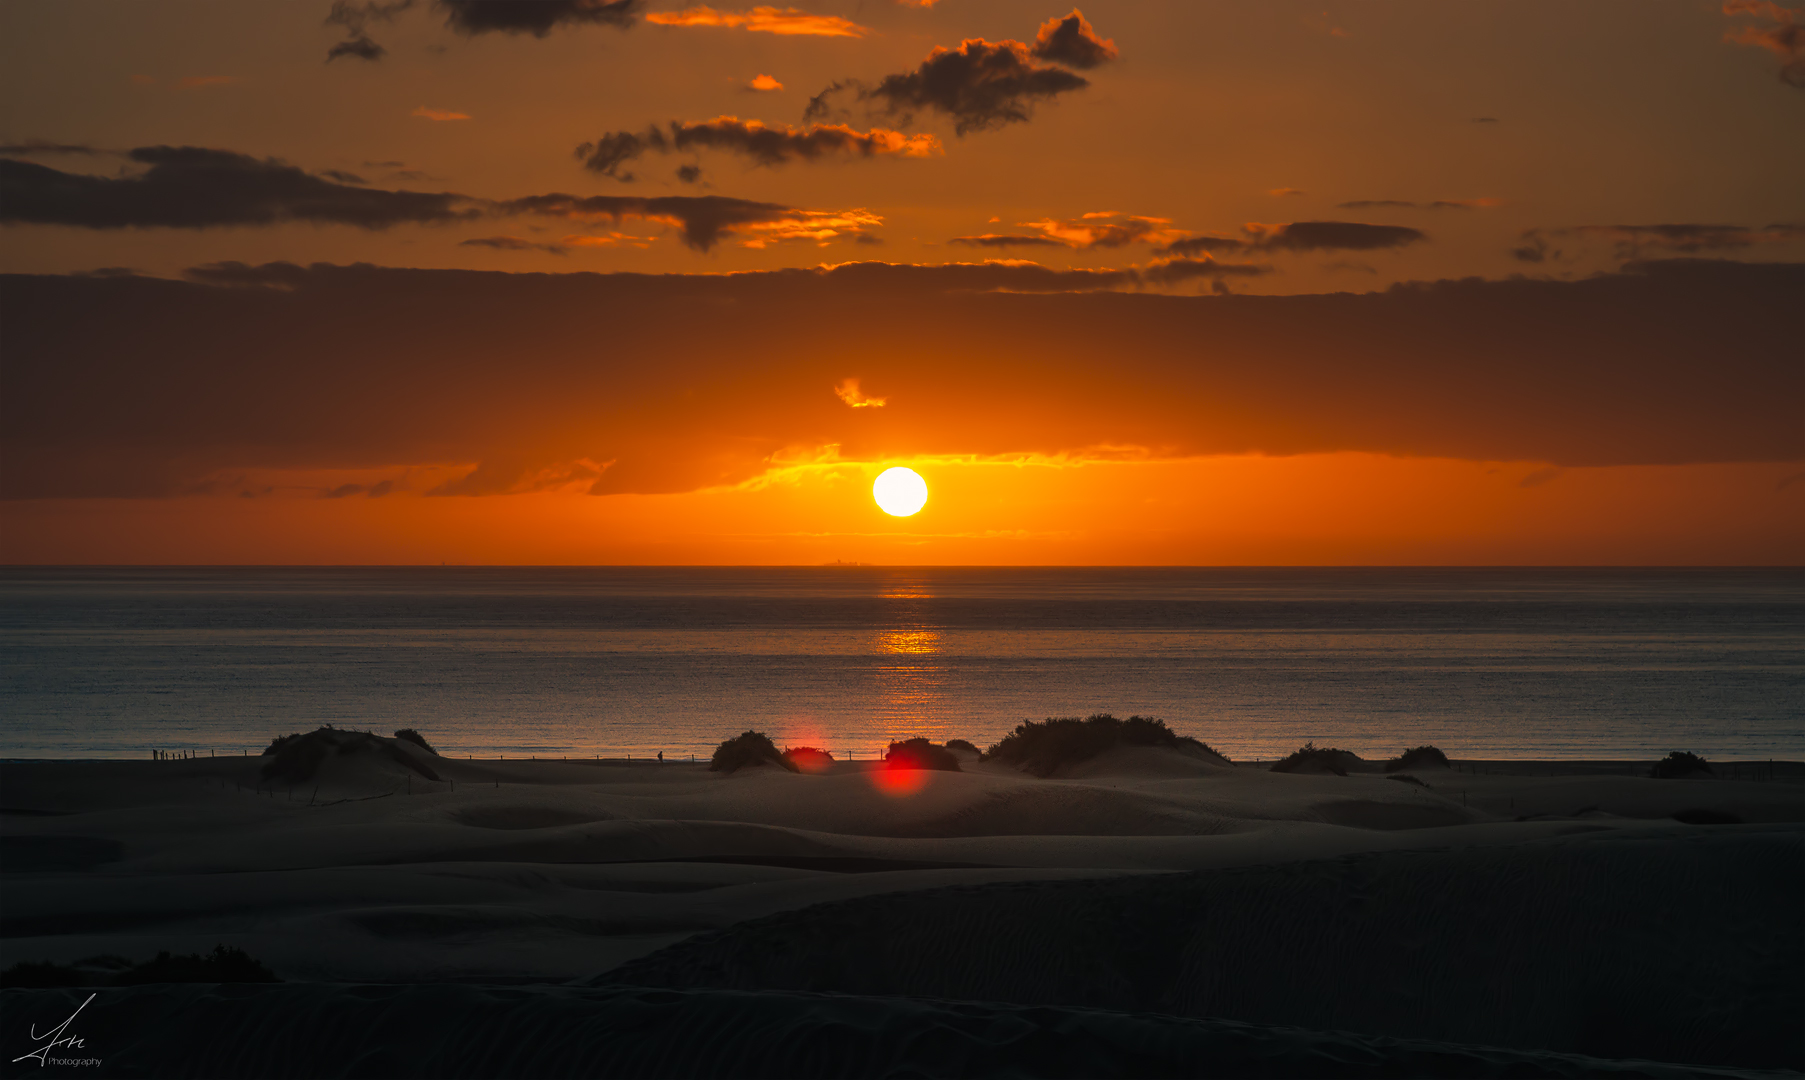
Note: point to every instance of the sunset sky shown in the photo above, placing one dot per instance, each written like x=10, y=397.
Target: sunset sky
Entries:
x=591, y=282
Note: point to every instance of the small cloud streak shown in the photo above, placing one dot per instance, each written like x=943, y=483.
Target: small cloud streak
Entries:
x=1073, y=42
x=355, y=19
x=848, y=391
x=1784, y=37
x=1301, y=236
x=1635, y=241
x=764, y=83
x=1405, y=204
x=765, y=20
x=537, y=17
x=704, y=220
x=765, y=144
x=1283, y=192
x=439, y=114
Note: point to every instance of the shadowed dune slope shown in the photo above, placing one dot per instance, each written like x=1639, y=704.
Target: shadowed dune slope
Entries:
x=451, y=1030
x=1683, y=949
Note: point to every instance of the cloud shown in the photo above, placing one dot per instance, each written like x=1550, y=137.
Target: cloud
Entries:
x=703, y=219
x=1405, y=204
x=768, y=20
x=1103, y=229
x=514, y=243
x=1300, y=236
x=980, y=85
x=1540, y=477
x=669, y=382
x=193, y=188
x=1785, y=38
x=439, y=114
x=355, y=19
x=848, y=391
x=188, y=187
x=201, y=82
x=535, y=17
x=765, y=144
x=689, y=174
x=1004, y=240
x=30, y=147
x=1071, y=41
x=764, y=83
x=1282, y=192
x=1635, y=241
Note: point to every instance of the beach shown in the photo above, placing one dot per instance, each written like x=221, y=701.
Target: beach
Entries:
x=1505, y=908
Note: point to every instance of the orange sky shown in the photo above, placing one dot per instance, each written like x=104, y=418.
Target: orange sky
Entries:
x=574, y=282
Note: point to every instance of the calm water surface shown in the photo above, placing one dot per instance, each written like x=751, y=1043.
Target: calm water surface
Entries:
x=1481, y=662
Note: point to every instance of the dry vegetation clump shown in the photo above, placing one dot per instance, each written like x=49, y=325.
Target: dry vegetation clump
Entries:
x=1406, y=778
x=750, y=748
x=1418, y=757
x=295, y=758
x=225, y=964
x=961, y=744
x=920, y=754
x=1678, y=764
x=1042, y=746
x=1309, y=757
x=808, y=759
x=410, y=735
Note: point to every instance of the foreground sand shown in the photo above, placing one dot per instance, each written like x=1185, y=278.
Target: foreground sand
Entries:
x=1595, y=925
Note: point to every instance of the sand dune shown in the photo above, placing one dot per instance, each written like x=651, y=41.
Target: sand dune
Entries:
x=452, y=1030
x=568, y=870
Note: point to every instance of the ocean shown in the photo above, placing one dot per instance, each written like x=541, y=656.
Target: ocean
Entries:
x=1484, y=663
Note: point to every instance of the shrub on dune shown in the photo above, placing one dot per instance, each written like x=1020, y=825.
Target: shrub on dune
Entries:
x=1679, y=764
x=961, y=744
x=1309, y=757
x=750, y=748
x=1042, y=746
x=225, y=964
x=920, y=754
x=408, y=734
x=1418, y=757
x=295, y=758
x=808, y=759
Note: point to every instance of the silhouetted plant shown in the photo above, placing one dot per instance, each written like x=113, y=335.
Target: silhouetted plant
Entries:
x=961, y=744
x=1042, y=746
x=1702, y=816
x=225, y=964
x=1418, y=757
x=295, y=758
x=920, y=754
x=1406, y=778
x=750, y=748
x=1679, y=763
x=1310, y=755
x=808, y=758
x=417, y=739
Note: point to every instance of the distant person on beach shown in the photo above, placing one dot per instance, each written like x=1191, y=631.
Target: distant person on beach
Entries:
x=661, y=757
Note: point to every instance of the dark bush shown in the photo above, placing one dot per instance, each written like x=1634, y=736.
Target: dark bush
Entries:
x=920, y=754
x=1406, y=778
x=297, y=757
x=1679, y=764
x=808, y=758
x=1042, y=746
x=1311, y=756
x=1418, y=757
x=751, y=748
x=410, y=735
x=1702, y=816
x=225, y=964
x=961, y=744
x=276, y=744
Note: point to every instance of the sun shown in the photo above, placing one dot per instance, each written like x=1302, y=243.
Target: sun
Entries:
x=900, y=492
